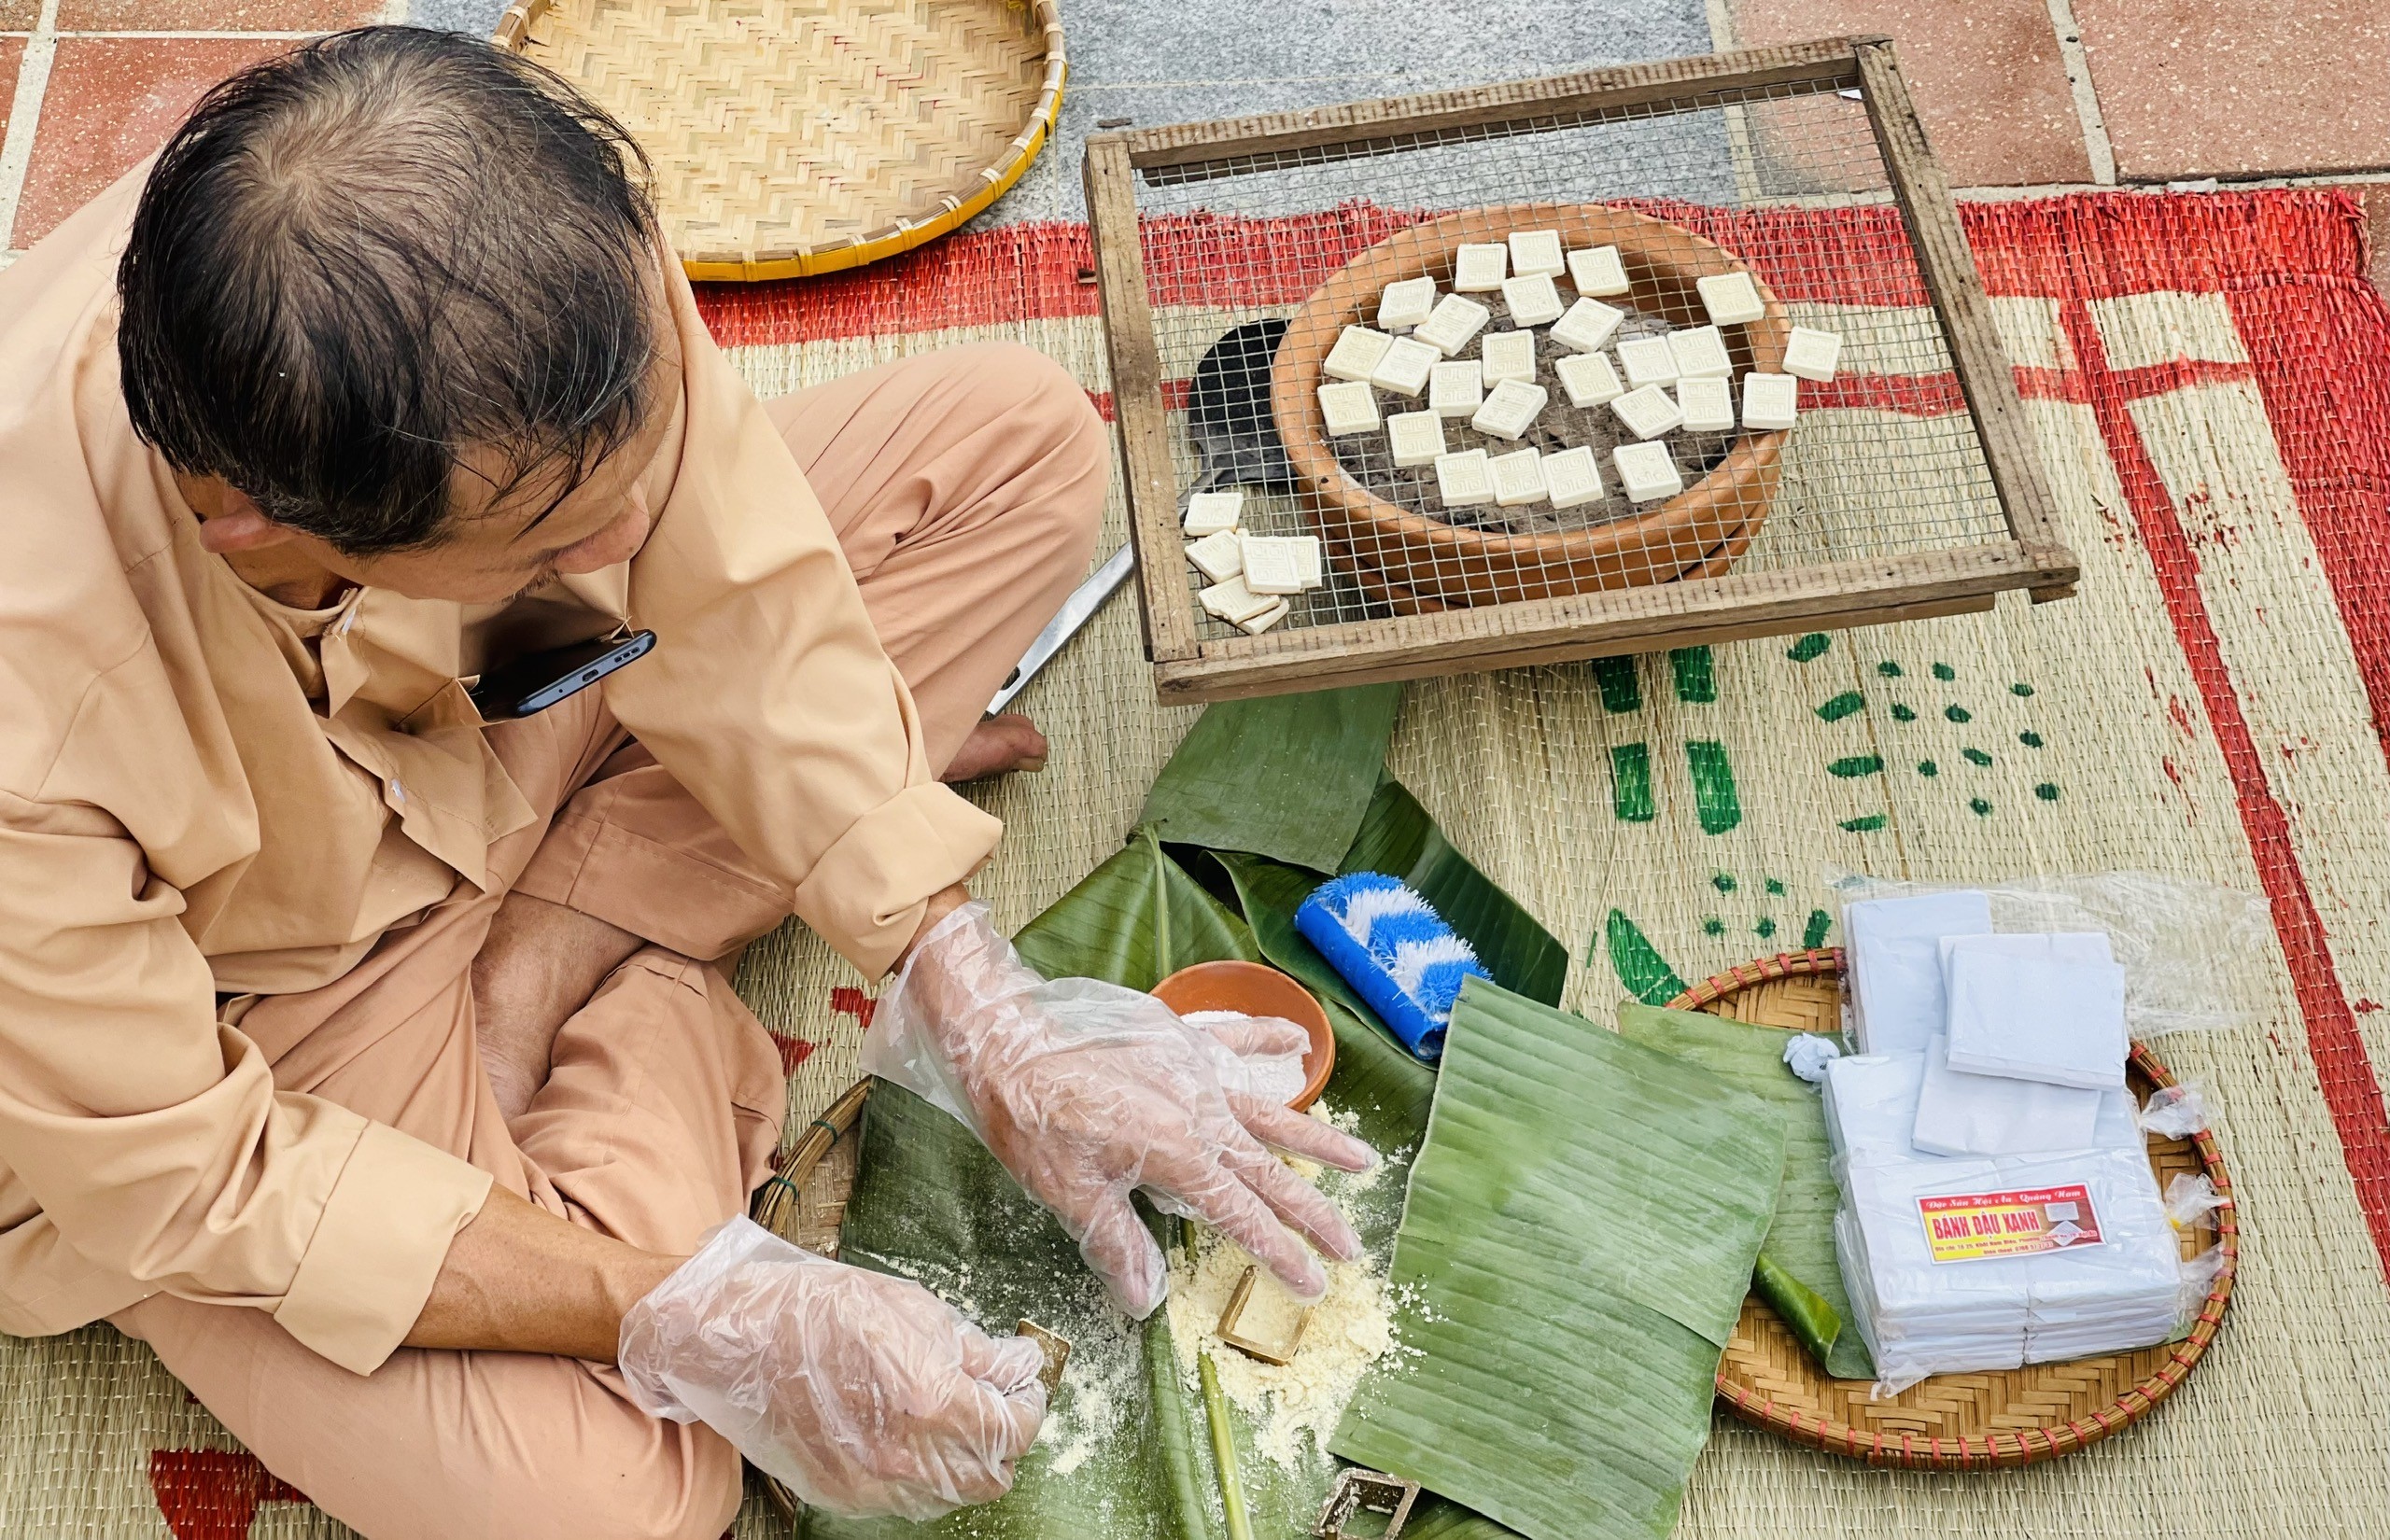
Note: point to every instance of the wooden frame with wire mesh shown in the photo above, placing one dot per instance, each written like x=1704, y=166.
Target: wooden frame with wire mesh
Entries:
x=1697, y=598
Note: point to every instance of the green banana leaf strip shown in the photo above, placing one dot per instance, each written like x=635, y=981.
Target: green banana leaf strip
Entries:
x=1287, y=776
x=1433, y=1517
x=1399, y=838
x=1583, y=1220
x=1133, y=920
x=931, y=1205
x=1798, y=1275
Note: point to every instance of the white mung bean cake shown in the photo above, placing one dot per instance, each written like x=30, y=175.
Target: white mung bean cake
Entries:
x=1479, y=268
x=1452, y=323
x=1457, y=387
x=1356, y=352
x=1518, y=478
x=1646, y=471
x=1507, y=355
x=1415, y=437
x=1587, y=326
x=1536, y=252
x=1597, y=272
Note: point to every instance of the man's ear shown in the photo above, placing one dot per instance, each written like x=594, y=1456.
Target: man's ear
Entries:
x=241, y=527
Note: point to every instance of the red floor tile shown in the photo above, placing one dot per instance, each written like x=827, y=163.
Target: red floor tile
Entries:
x=2377, y=219
x=215, y=15
x=13, y=53
x=19, y=16
x=1986, y=75
x=2191, y=87
x=111, y=102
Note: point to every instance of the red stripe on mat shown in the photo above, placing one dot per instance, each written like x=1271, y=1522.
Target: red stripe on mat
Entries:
x=2331, y=411
x=2342, y=1066
x=1835, y=256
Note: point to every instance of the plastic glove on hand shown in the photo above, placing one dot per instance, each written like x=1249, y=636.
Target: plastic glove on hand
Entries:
x=866, y=1394
x=1088, y=1092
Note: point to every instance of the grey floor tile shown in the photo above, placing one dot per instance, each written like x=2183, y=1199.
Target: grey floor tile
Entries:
x=1176, y=61
x=478, y=16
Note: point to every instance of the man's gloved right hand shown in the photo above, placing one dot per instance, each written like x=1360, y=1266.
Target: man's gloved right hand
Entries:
x=1087, y=1092
x=865, y=1394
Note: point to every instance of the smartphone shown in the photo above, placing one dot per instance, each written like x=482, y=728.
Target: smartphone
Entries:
x=538, y=680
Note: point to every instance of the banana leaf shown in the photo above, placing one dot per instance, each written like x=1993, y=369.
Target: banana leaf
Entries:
x=1287, y=776
x=1583, y=1220
x=1133, y=920
x=1399, y=838
x=1797, y=1273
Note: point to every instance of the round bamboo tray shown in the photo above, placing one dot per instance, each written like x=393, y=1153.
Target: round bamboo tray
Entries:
x=1956, y=1422
x=792, y=137
x=1421, y=558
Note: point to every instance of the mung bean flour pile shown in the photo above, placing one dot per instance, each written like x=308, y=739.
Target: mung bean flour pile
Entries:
x=1295, y=1406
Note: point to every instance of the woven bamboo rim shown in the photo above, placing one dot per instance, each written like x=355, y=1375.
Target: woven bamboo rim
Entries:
x=803, y=1203
x=792, y=137
x=1429, y=559
x=1959, y=1422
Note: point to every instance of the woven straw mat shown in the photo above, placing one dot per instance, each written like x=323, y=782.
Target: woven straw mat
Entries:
x=797, y=136
x=2209, y=377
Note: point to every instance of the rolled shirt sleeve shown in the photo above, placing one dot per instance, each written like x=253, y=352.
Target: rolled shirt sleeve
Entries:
x=769, y=695
x=153, y=1138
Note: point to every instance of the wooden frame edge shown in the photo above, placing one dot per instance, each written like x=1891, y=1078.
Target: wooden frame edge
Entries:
x=1733, y=607
x=1136, y=397
x=1947, y=265
x=1687, y=80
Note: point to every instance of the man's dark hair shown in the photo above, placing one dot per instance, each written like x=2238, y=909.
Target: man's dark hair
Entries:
x=388, y=246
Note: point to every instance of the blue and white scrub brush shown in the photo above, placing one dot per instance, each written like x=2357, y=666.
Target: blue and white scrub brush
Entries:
x=1395, y=950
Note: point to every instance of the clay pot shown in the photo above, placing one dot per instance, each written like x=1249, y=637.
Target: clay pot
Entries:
x=1422, y=561
x=1255, y=990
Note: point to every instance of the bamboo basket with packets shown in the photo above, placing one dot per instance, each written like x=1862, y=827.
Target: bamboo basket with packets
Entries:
x=1959, y=1422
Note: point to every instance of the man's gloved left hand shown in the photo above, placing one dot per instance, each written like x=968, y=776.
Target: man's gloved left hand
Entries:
x=1087, y=1092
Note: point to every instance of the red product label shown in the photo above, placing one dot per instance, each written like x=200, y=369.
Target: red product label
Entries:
x=1975, y=1226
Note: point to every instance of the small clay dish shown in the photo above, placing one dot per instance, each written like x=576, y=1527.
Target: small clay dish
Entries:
x=1256, y=989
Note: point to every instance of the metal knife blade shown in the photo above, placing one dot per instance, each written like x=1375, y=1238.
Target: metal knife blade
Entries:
x=1076, y=611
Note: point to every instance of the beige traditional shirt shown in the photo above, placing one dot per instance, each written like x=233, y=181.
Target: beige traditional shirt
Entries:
x=205, y=793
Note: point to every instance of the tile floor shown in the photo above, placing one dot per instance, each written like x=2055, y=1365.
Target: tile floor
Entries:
x=2016, y=94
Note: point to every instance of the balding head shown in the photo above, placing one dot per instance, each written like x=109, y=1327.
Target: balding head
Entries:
x=380, y=259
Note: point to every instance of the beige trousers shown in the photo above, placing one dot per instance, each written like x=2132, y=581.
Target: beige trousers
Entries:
x=967, y=487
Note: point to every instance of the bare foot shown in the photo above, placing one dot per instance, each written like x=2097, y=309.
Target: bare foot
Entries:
x=541, y=963
x=997, y=746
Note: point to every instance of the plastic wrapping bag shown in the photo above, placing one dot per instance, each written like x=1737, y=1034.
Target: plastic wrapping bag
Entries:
x=1974, y=1264
x=1959, y=1266
x=2181, y=942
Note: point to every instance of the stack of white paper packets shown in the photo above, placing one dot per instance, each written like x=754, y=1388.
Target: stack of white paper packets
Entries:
x=1997, y=1204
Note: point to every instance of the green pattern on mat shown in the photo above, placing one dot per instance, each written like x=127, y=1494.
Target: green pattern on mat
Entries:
x=1581, y=1229
x=1639, y=963
x=1615, y=678
x=1697, y=678
x=1797, y=1274
x=1630, y=796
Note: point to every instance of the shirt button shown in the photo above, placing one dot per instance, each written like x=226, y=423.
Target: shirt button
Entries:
x=397, y=790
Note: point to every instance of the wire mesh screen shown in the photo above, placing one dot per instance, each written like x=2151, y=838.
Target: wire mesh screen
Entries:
x=1591, y=351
